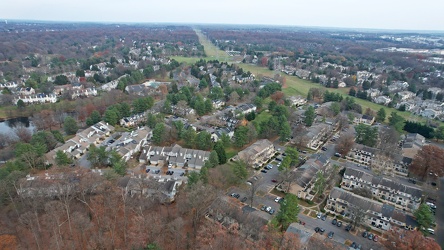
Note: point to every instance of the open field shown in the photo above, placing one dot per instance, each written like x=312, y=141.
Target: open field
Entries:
x=187, y=60
x=211, y=50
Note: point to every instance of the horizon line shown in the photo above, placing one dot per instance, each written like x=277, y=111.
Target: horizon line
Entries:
x=233, y=24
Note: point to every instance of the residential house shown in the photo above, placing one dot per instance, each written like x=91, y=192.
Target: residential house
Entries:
x=217, y=134
x=302, y=73
x=258, y=153
x=218, y=104
x=244, y=109
x=361, y=154
x=84, y=92
x=9, y=85
x=176, y=155
x=394, y=193
x=133, y=120
x=96, y=134
x=430, y=113
x=376, y=214
x=384, y=100
x=411, y=145
x=150, y=188
x=306, y=175
x=317, y=134
x=26, y=91
x=409, y=105
x=342, y=84
x=435, y=91
x=364, y=119
x=297, y=100
x=405, y=95
x=130, y=143
x=373, y=92
x=39, y=98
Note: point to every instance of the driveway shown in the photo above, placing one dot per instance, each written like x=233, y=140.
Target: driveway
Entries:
x=340, y=235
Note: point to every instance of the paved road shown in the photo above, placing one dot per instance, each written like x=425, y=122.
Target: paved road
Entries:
x=340, y=235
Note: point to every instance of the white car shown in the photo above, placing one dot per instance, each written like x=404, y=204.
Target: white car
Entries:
x=268, y=209
x=431, y=231
x=277, y=199
x=319, y=215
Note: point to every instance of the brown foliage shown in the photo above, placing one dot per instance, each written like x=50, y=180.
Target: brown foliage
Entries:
x=345, y=143
x=264, y=61
x=23, y=134
x=8, y=241
x=428, y=160
x=278, y=97
x=409, y=240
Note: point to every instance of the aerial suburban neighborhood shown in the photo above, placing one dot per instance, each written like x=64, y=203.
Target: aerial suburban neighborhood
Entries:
x=161, y=137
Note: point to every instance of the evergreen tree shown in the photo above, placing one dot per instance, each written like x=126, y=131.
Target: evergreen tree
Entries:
x=220, y=150
x=70, y=126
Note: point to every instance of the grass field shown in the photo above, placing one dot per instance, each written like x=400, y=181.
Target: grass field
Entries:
x=187, y=60
x=263, y=116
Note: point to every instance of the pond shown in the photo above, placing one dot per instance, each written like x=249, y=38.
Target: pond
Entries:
x=7, y=126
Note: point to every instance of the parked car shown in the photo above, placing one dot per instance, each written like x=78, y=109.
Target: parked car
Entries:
x=182, y=174
x=375, y=238
x=264, y=171
x=339, y=224
x=317, y=229
x=268, y=209
x=263, y=208
x=319, y=215
x=324, y=217
x=271, y=211
x=244, y=199
x=157, y=171
x=330, y=235
x=353, y=245
x=324, y=148
x=277, y=199
x=148, y=170
x=274, y=180
x=365, y=234
x=337, y=154
x=321, y=230
x=348, y=227
x=334, y=221
x=370, y=236
x=431, y=230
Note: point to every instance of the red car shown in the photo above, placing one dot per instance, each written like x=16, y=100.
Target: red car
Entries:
x=273, y=180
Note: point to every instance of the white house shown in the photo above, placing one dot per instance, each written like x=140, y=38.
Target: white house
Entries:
x=405, y=95
x=430, y=113
x=297, y=100
x=39, y=98
x=384, y=100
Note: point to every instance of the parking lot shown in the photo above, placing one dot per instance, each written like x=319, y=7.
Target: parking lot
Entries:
x=177, y=172
x=340, y=234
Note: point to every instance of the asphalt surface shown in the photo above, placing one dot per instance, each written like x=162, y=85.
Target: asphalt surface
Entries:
x=340, y=234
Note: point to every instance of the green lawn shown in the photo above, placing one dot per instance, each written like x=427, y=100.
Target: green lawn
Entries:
x=231, y=152
x=263, y=116
x=187, y=60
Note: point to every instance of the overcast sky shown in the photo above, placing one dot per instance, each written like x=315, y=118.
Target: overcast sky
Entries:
x=378, y=14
